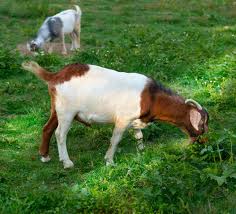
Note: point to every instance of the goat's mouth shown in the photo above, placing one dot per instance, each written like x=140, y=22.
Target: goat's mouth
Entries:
x=34, y=49
x=193, y=139
x=199, y=139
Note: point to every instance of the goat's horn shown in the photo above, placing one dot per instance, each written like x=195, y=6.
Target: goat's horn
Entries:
x=194, y=103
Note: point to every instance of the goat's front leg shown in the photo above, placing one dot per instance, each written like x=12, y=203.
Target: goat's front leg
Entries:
x=64, y=51
x=48, y=130
x=61, y=135
x=116, y=137
x=139, y=137
x=50, y=48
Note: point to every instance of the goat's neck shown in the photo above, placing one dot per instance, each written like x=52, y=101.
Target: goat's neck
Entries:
x=170, y=108
x=43, y=36
x=40, y=40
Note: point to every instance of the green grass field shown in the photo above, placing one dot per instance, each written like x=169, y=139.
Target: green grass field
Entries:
x=190, y=46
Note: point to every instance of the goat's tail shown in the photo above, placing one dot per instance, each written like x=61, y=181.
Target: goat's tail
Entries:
x=40, y=72
x=78, y=10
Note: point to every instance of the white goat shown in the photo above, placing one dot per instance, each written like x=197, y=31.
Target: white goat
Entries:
x=92, y=94
x=65, y=22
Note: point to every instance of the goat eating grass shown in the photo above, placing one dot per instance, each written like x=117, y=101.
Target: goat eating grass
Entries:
x=65, y=22
x=92, y=94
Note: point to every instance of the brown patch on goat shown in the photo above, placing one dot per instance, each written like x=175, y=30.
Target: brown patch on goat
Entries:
x=50, y=126
x=69, y=71
x=38, y=71
x=160, y=103
x=72, y=70
x=170, y=108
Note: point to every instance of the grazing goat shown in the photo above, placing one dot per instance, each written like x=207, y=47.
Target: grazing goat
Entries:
x=92, y=94
x=65, y=22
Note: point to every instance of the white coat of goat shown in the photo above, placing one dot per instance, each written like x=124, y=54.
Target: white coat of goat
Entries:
x=57, y=26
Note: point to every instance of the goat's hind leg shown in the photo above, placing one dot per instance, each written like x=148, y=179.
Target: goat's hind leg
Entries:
x=64, y=122
x=48, y=130
x=74, y=44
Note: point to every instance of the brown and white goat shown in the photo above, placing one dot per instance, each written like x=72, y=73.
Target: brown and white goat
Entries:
x=92, y=94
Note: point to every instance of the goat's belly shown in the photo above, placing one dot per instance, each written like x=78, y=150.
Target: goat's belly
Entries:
x=67, y=29
x=68, y=21
x=95, y=117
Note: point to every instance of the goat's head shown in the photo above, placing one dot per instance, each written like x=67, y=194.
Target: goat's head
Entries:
x=33, y=46
x=196, y=122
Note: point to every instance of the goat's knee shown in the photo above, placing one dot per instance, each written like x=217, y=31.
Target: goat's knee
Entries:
x=57, y=134
x=61, y=135
x=59, y=142
x=139, y=137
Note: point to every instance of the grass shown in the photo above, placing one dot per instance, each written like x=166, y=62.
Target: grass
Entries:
x=190, y=46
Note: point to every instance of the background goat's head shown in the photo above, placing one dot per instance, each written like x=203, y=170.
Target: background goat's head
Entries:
x=33, y=46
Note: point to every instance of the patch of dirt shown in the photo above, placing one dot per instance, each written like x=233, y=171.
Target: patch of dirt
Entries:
x=57, y=48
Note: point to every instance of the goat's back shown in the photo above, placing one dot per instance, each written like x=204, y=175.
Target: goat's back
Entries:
x=103, y=92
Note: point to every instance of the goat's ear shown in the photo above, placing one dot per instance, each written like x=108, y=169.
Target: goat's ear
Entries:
x=195, y=118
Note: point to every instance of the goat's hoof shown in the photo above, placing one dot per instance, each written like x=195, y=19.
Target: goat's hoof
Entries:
x=68, y=164
x=45, y=159
x=141, y=147
x=64, y=53
x=110, y=163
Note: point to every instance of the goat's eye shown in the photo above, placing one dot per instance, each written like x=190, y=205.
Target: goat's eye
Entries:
x=201, y=123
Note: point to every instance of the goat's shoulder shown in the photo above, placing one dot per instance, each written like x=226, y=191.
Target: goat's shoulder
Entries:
x=153, y=93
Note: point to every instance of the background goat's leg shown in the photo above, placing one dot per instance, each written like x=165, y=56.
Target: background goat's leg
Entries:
x=64, y=51
x=72, y=41
x=77, y=34
x=50, y=48
x=139, y=137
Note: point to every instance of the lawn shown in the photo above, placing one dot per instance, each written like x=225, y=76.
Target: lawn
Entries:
x=190, y=46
